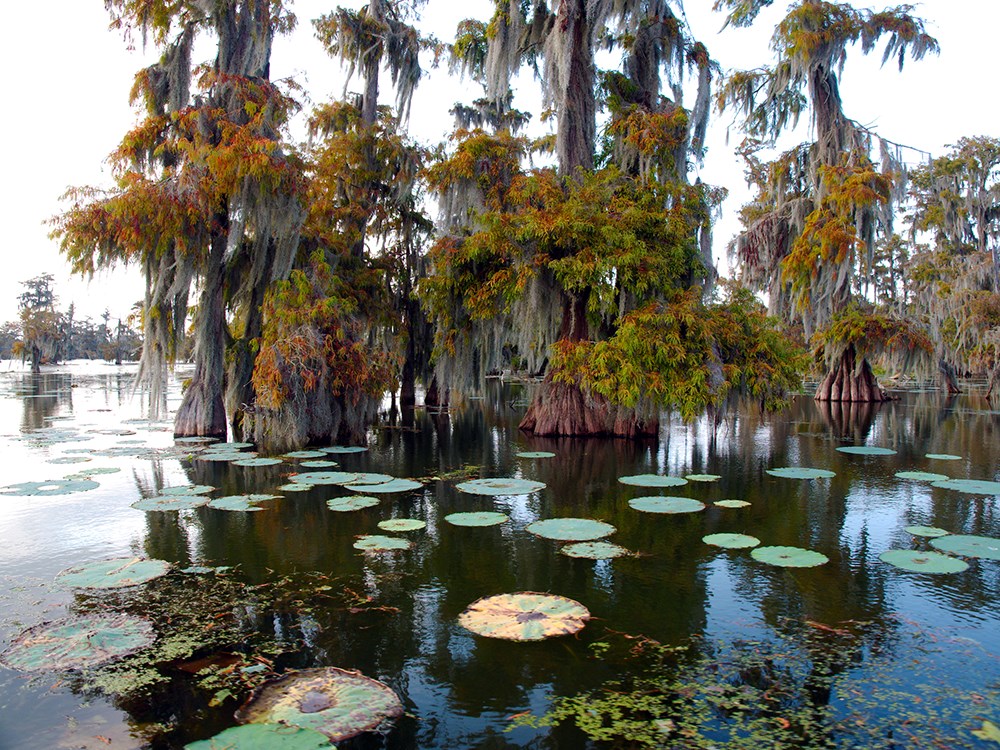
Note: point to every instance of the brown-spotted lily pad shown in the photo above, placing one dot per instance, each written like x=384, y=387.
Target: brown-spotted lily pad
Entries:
x=594, y=550
x=336, y=702
x=381, y=543
x=77, y=642
x=919, y=561
x=113, y=574
x=524, y=616
x=402, y=524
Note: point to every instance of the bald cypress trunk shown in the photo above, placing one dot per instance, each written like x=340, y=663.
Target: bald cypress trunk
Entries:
x=850, y=381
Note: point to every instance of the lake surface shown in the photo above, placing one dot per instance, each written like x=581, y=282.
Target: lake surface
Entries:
x=911, y=659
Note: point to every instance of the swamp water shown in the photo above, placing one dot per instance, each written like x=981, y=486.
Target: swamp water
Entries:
x=690, y=645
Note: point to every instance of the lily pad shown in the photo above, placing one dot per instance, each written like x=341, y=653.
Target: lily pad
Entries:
x=113, y=574
x=500, y=486
x=866, y=450
x=240, y=502
x=703, y=477
x=789, y=557
x=229, y=447
x=380, y=543
x=170, y=502
x=731, y=503
x=296, y=487
x=304, y=454
x=324, y=477
x=926, y=531
x=594, y=550
x=731, y=541
x=524, y=616
x=402, y=524
x=190, y=489
x=194, y=439
x=923, y=562
x=654, y=504
x=318, y=464
x=264, y=737
x=801, y=472
x=69, y=460
x=477, y=518
x=77, y=642
x=367, y=477
x=344, y=449
x=943, y=456
x=570, y=529
x=922, y=476
x=970, y=486
x=50, y=487
x=223, y=457
x=393, y=485
x=652, y=480
x=968, y=545
x=535, y=454
x=338, y=703
x=258, y=461
x=351, y=502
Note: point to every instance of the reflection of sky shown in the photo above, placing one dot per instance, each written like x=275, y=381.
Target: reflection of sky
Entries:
x=729, y=612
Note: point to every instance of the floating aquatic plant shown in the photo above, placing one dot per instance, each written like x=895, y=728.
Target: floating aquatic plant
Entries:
x=866, y=450
x=402, y=524
x=116, y=573
x=652, y=480
x=381, y=543
x=535, y=454
x=296, y=487
x=524, y=616
x=968, y=545
x=363, y=477
x=500, y=486
x=922, y=476
x=319, y=464
x=324, y=477
x=305, y=454
x=477, y=518
x=344, y=449
x=656, y=504
x=50, y=487
x=943, y=456
x=923, y=562
x=594, y=550
x=703, y=477
x=264, y=737
x=970, y=486
x=570, y=529
x=223, y=457
x=351, y=502
x=335, y=702
x=800, y=472
x=240, y=502
x=393, y=485
x=77, y=642
x=258, y=461
x=731, y=503
x=926, y=531
x=69, y=460
x=190, y=489
x=731, y=540
x=789, y=557
x=170, y=502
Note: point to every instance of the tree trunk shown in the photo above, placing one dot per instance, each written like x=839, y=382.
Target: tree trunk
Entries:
x=949, y=381
x=848, y=381
x=576, y=104
x=560, y=409
x=202, y=411
x=435, y=396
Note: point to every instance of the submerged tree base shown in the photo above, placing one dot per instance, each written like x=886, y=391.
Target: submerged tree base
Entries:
x=559, y=409
x=848, y=381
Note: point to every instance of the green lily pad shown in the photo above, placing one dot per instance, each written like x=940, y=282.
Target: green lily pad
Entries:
x=500, y=486
x=731, y=503
x=943, y=456
x=222, y=457
x=240, y=502
x=351, y=502
x=258, y=461
x=338, y=703
x=264, y=737
x=344, y=449
x=393, y=485
x=305, y=454
x=402, y=524
x=866, y=450
x=367, y=477
x=968, y=545
x=524, y=616
x=594, y=550
x=652, y=480
x=970, y=486
x=318, y=464
x=926, y=531
x=194, y=439
x=703, y=477
x=227, y=447
x=190, y=489
x=570, y=529
x=731, y=541
x=87, y=473
x=477, y=518
x=922, y=476
x=923, y=562
x=653, y=504
x=170, y=502
x=77, y=642
x=380, y=543
x=50, y=487
x=789, y=557
x=69, y=460
x=535, y=454
x=800, y=472
x=324, y=477
x=113, y=574
x=296, y=487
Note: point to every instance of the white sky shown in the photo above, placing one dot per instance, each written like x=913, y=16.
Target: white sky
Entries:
x=68, y=77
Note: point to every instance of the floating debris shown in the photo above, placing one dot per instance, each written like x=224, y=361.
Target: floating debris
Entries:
x=524, y=616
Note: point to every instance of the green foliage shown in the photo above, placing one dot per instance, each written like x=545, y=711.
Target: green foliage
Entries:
x=872, y=334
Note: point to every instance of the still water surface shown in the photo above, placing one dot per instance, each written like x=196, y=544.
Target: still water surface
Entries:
x=393, y=616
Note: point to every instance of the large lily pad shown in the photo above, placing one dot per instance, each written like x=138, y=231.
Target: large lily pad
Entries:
x=170, y=502
x=789, y=557
x=801, y=472
x=69, y=460
x=866, y=450
x=731, y=503
x=264, y=737
x=296, y=487
x=194, y=439
x=656, y=504
x=324, y=477
x=393, y=485
x=652, y=480
x=77, y=642
x=918, y=561
x=535, y=454
x=344, y=449
x=570, y=529
x=240, y=502
x=367, y=477
x=50, y=487
x=338, y=703
x=970, y=486
x=190, y=489
x=477, y=518
x=524, y=616
x=258, y=461
x=351, y=502
x=594, y=550
x=968, y=545
x=731, y=541
x=926, y=531
x=381, y=543
x=222, y=456
x=318, y=463
x=922, y=476
x=113, y=574
x=500, y=486
x=305, y=454
x=402, y=524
